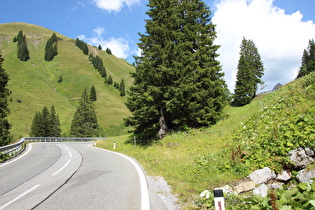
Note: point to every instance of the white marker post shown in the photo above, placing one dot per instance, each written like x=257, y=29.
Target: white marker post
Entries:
x=114, y=144
x=218, y=199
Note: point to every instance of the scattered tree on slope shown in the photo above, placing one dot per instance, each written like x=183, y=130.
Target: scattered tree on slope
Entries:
x=250, y=70
x=84, y=123
x=308, y=60
x=82, y=45
x=46, y=124
x=93, y=94
x=51, y=48
x=178, y=81
x=22, y=53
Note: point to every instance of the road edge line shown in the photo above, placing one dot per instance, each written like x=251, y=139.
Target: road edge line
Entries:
x=145, y=200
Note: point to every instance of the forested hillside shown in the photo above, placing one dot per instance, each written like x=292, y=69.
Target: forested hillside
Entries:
x=36, y=83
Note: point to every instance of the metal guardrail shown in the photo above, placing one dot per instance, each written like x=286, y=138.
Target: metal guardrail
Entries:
x=16, y=148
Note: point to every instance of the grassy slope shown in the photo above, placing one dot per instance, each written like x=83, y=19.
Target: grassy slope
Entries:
x=189, y=161
x=35, y=82
x=177, y=156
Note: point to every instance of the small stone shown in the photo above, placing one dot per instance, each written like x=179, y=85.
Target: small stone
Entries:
x=261, y=190
x=274, y=185
x=284, y=176
x=262, y=175
x=244, y=187
x=306, y=175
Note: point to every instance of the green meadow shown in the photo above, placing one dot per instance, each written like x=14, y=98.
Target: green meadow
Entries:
x=34, y=83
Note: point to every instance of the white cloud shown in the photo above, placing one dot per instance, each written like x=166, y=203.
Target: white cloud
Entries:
x=114, y=5
x=280, y=38
x=118, y=46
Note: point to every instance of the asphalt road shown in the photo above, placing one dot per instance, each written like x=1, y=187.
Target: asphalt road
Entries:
x=73, y=176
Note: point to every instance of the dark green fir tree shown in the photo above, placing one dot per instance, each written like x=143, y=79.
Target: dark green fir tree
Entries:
x=51, y=48
x=36, y=127
x=109, y=80
x=23, y=52
x=178, y=81
x=55, y=130
x=308, y=60
x=93, y=96
x=108, y=51
x=84, y=123
x=122, y=88
x=250, y=69
x=5, y=137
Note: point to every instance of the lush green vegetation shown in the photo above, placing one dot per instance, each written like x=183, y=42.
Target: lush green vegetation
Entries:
x=37, y=83
x=250, y=137
x=5, y=126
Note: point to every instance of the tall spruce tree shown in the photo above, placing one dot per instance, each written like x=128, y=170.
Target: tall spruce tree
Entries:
x=51, y=48
x=84, y=123
x=55, y=130
x=82, y=45
x=249, y=73
x=93, y=94
x=122, y=88
x=36, y=127
x=23, y=52
x=45, y=123
x=5, y=137
x=308, y=60
x=178, y=81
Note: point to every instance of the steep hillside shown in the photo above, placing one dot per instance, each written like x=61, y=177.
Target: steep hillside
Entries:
x=34, y=83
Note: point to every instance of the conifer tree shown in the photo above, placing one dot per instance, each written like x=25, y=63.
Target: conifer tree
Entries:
x=93, y=94
x=178, y=81
x=54, y=122
x=108, y=51
x=122, y=88
x=36, y=127
x=109, y=80
x=22, y=53
x=84, y=123
x=249, y=73
x=82, y=45
x=99, y=47
x=45, y=123
x=308, y=60
x=5, y=137
x=51, y=48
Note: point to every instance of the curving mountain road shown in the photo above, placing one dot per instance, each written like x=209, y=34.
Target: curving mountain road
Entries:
x=72, y=176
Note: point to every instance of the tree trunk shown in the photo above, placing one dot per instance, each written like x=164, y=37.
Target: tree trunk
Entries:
x=163, y=127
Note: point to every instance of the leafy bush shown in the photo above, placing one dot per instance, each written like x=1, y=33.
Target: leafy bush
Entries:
x=280, y=127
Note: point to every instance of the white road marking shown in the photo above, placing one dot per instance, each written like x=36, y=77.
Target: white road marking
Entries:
x=20, y=196
x=61, y=168
x=145, y=202
x=70, y=154
x=25, y=153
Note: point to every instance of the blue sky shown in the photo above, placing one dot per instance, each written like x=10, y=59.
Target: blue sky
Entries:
x=280, y=28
